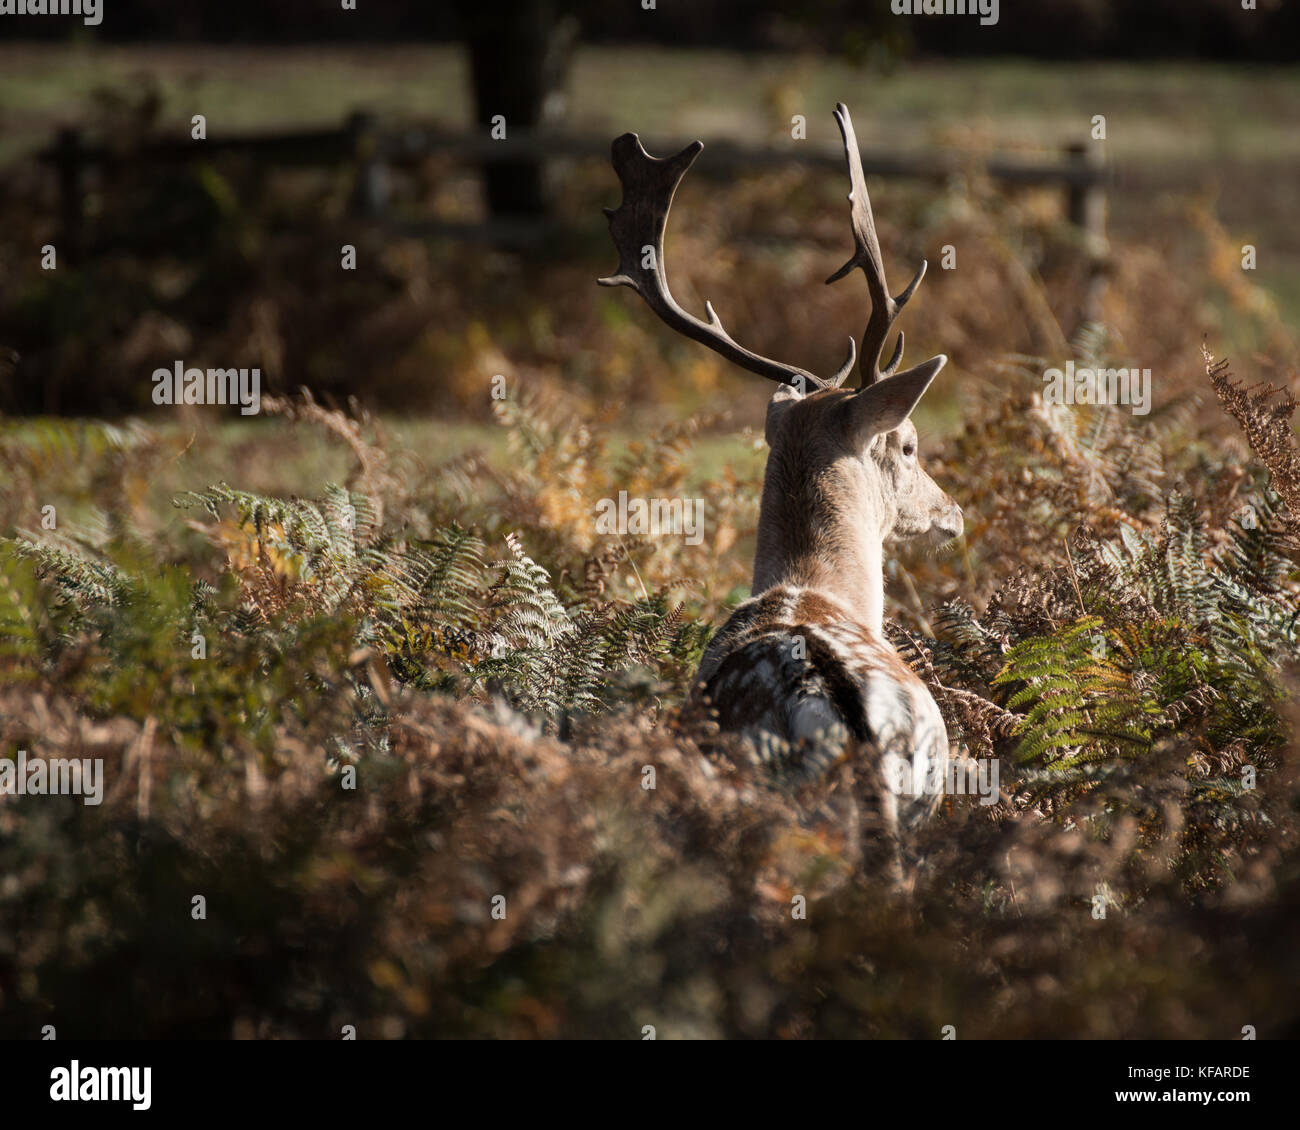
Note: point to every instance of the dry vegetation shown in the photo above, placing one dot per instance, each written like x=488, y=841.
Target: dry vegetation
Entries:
x=1119, y=627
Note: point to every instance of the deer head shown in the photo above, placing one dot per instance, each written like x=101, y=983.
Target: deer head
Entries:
x=844, y=476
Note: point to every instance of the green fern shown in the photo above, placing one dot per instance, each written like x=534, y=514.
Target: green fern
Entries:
x=1081, y=704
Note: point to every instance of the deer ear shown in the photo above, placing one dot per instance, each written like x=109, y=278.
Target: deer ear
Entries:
x=778, y=406
x=883, y=406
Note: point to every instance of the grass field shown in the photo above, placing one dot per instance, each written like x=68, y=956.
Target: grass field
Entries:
x=274, y=461
x=1158, y=111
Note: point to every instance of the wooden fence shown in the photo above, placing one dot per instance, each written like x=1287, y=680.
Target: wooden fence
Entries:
x=374, y=152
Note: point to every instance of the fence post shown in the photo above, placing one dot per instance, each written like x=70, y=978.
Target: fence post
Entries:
x=1086, y=208
x=370, y=196
x=69, y=162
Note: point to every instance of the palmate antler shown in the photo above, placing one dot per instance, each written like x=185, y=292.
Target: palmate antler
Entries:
x=637, y=227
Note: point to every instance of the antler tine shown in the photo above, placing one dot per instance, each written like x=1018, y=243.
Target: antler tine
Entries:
x=638, y=223
x=866, y=255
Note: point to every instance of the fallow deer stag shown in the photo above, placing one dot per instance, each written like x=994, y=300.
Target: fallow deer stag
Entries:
x=803, y=668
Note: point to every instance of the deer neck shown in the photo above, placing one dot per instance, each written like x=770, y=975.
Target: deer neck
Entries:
x=825, y=533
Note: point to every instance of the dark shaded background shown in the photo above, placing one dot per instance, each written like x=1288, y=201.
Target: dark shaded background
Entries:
x=219, y=254
x=1207, y=29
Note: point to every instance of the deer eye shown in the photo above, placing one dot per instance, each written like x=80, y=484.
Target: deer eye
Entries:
x=909, y=449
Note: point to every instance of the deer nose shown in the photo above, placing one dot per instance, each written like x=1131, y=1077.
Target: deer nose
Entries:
x=953, y=522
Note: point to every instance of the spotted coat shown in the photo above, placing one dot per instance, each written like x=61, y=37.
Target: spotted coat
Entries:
x=792, y=669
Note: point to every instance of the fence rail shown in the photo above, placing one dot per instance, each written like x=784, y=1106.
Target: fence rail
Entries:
x=374, y=152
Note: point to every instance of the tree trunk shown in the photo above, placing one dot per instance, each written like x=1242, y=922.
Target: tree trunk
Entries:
x=520, y=57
